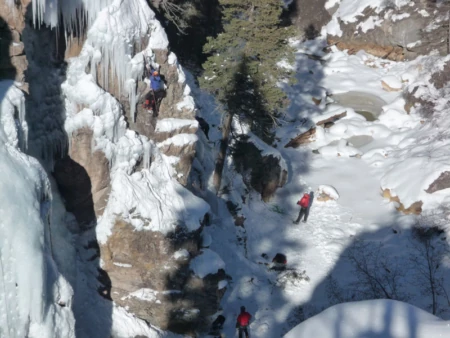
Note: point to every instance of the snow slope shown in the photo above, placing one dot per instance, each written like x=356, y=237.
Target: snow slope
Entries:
x=380, y=318
x=319, y=249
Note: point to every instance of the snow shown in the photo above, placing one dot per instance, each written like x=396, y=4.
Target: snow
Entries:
x=208, y=262
x=123, y=265
x=222, y=284
x=172, y=124
x=126, y=325
x=333, y=27
x=398, y=17
x=399, y=151
x=381, y=318
x=392, y=81
x=179, y=140
x=155, y=196
x=182, y=254
x=369, y=24
x=331, y=3
x=206, y=241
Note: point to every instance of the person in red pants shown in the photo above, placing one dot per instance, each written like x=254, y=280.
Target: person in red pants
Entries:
x=242, y=322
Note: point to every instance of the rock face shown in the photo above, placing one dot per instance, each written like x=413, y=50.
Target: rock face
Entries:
x=266, y=172
x=310, y=16
x=146, y=124
x=415, y=208
x=398, y=35
x=13, y=65
x=83, y=178
x=150, y=275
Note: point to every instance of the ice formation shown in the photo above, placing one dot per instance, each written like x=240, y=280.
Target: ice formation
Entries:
x=30, y=284
x=15, y=127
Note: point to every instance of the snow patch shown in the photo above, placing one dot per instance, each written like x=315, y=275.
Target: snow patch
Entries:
x=208, y=262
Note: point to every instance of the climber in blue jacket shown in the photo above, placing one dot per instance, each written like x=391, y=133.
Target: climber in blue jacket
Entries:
x=156, y=93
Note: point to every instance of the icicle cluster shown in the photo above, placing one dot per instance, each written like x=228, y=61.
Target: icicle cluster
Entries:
x=115, y=29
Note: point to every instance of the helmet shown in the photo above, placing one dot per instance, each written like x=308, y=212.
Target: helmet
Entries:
x=242, y=308
x=155, y=73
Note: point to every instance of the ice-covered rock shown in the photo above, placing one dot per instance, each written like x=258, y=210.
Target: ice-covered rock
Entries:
x=326, y=192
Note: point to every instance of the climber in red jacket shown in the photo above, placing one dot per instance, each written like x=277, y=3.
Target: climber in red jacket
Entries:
x=242, y=322
x=305, y=204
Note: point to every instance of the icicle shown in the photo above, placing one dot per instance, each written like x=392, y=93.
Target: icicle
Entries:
x=132, y=98
x=147, y=154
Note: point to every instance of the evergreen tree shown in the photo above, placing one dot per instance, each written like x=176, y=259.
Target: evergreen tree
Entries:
x=241, y=68
x=252, y=30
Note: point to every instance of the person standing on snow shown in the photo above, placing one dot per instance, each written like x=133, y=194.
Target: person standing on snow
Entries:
x=304, y=208
x=242, y=322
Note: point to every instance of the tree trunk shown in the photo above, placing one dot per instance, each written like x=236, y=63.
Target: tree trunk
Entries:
x=220, y=161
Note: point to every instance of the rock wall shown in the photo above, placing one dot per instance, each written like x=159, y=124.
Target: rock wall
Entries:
x=266, y=172
x=402, y=34
x=14, y=65
x=150, y=275
x=83, y=178
x=146, y=123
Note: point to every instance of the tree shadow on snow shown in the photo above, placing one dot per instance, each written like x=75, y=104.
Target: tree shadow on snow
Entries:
x=397, y=262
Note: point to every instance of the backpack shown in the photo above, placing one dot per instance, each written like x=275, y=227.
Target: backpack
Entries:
x=304, y=202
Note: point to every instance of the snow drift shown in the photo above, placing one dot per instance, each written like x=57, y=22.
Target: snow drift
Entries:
x=373, y=318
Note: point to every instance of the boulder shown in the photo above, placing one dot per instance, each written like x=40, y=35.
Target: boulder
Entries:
x=394, y=38
x=149, y=278
x=326, y=193
x=303, y=138
x=326, y=122
x=415, y=208
x=441, y=183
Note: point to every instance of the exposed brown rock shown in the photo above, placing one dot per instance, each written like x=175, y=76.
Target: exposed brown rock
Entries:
x=74, y=47
x=14, y=15
x=415, y=208
x=239, y=221
x=316, y=101
x=14, y=66
x=388, y=88
x=137, y=260
x=394, y=53
x=331, y=119
x=304, y=138
x=83, y=178
x=442, y=182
